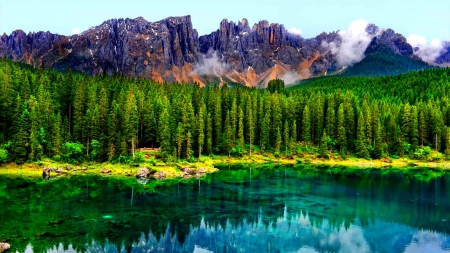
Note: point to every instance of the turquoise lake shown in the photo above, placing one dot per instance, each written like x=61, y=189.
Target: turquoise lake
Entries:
x=238, y=209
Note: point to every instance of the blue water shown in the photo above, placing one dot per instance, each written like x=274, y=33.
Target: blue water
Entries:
x=237, y=210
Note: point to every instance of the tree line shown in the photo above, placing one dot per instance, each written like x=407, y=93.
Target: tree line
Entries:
x=73, y=117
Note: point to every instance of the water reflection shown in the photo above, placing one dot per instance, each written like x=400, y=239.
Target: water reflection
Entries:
x=289, y=233
x=235, y=210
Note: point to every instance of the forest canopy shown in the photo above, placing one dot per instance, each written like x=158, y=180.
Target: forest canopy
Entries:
x=74, y=117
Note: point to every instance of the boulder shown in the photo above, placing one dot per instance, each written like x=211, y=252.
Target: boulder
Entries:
x=4, y=246
x=160, y=175
x=105, y=171
x=68, y=167
x=60, y=171
x=46, y=172
x=144, y=172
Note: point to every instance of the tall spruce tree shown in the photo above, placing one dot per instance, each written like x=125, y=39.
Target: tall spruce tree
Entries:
x=361, y=138
x=306, y=125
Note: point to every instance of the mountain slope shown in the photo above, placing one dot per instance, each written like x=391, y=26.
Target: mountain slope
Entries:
x=383, y=61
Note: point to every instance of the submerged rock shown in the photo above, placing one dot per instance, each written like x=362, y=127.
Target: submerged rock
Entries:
x=4, y=246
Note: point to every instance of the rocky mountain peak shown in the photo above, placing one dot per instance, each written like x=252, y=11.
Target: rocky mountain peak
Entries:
x=170, y=50
x=392, y=40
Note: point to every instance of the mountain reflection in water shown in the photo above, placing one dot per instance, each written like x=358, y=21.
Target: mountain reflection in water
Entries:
x=237, y=210
x=293, y=233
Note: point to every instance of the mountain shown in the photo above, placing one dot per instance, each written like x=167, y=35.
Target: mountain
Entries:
x=170, y=50
x=382, y=61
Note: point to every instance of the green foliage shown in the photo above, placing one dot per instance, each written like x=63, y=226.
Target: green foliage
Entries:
x=138, y=158
x=74, y=152
x=47, y=113
x=275, y=85
x=4, y=156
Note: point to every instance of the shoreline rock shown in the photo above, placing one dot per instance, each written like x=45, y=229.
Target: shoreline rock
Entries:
x=4, y=246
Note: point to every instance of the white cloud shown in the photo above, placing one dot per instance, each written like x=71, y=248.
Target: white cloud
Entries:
x=211, y=65
x=76, y=31
x=354, y=42
x=294, y=31
x=416, y=41
x=428, y=53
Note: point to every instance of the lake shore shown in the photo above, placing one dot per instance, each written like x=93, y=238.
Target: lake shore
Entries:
x=205, y=165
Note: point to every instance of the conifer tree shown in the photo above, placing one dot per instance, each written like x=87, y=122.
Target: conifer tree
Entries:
x=406, y=122
x=265, y=132
x=341, y=136
x=286, y=137
x=164, y=132
x=361, y=140
x=201, y=130
x=241, y=129
x=306, y=125
x=422, y=128
x=378, y=146
x=209, y=137
x=278, y=141
x=414, y=129
x=188, y=145
x=21, y=139
x=323, y=148
x=180, y=138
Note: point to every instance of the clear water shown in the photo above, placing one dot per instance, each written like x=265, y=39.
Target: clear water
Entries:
x=235, y=210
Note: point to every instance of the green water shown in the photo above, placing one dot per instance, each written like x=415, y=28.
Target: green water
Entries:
x=235, y=210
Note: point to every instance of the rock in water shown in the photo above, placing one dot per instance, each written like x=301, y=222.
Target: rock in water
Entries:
x=143, y=173
x=4, y=247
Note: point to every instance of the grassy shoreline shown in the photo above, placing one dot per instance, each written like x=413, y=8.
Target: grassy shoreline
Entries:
x=175, y=169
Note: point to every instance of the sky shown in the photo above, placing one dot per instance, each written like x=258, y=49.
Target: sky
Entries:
x=426, y=19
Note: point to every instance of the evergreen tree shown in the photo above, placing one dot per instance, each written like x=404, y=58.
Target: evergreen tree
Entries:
x=323, y=148
x=180, y=138
x=361, y=140
x=414, y=129
x=306, y=125
x=164, y=132
x=209, y=137
x=286, y=137
x=341, y=136
x=21, y=140
x=406, y=122
x=241, y=129
x=188, y=145
x=201, y=130
x=422, y=128
x=378, y=147
x=278, y=141
x=265, y=128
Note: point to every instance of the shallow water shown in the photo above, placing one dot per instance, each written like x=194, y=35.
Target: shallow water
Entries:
x=235, y=210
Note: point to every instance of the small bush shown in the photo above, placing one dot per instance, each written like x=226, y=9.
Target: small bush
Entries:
x=3, y=155
x=74, y=152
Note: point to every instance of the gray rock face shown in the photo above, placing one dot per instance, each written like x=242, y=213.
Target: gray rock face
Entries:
x=171, y=51
x=444, y=58
x=266, y=45
x=133, y=47
x=394, y=41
